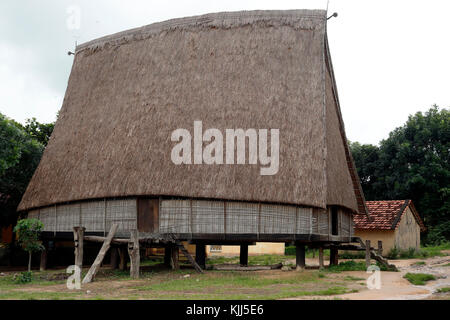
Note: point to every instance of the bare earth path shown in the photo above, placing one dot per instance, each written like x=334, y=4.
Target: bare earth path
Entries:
x=395, y=287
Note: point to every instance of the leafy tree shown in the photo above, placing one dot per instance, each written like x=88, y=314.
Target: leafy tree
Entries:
x=39, y=131
x=412, y=163
x=19, y=157
x=28, y=231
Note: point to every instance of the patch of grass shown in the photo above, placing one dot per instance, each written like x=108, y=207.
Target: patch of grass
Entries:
x=446, y=265
x=424, y=252
x=350, y=265
x=419, y=263
x=443, y=290
x=352, y=278
x=419, y=279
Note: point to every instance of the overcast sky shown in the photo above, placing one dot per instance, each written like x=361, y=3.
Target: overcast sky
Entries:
x=391, y=58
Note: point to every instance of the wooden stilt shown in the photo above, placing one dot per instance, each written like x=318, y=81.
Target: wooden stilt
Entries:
x=300, y=256
x=334, y=256
x=43, y=264
x=174, y=259
x=167, y=255
x=96, y=265
x=122, y=258
x=114, y=258
x=78, y=237
x=243, y=255
x=133, y=252
x=367, y=253
x=200, y=255
x=321, y=264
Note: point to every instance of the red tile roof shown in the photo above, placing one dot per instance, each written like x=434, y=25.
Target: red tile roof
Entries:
x=385, y=215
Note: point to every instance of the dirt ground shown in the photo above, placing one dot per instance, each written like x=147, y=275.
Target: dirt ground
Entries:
x=272, y=284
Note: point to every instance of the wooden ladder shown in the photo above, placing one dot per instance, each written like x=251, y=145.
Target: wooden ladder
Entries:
x=188, y=256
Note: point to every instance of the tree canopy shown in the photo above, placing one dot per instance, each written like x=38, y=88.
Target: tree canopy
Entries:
x=412, y=163
x=20, y=152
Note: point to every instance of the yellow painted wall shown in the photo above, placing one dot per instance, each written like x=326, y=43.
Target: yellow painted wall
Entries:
x=387, y=236
x=259, y=248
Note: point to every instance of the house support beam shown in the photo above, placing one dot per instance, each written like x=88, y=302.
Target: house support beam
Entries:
x=300, y=256
x=321, y=264
x=43, y=262
x=167, y=255
x=114, y=258
x=123, y=258
x=78, y=238
x=133, y=252
x=200, y=255
x=243, y=255
x=174, y=258
x=334, y=256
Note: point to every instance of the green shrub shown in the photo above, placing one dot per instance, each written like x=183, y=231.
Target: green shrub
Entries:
x=419, y=279
x=24, y=277
x=289, y=250
x=393, y=253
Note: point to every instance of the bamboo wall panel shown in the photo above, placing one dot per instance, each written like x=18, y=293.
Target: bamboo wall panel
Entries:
x=68, y=216
x=175, y=216
x=208, y=217
x=242, y=217
x=304, y=220
x=122, y=212
x=277, y=219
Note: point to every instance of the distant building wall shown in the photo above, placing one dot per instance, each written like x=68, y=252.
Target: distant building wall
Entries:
x=259, y=248
x=407, y=234
x=387, y=236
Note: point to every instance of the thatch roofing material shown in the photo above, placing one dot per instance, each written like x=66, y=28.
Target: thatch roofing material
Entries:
x=128, y=92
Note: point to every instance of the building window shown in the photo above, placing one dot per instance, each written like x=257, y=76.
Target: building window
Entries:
x=215, y=249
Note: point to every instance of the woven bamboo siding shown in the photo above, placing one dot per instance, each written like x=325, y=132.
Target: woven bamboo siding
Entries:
x=304, y=220
x=68, y=216
x=323, y=221
x=122, y=212
x=242, y=217
x=278, y=219
x=208, y=217
x=175, y=216
x=95, y=216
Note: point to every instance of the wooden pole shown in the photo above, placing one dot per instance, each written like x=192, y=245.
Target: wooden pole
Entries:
x=43, y=264
x=123, y=258
x=243, y=255
x=380, y=247
x=200, y=255
x=78, y=237
x=133, y=252
x=321, y=264
x=96, y=265
x=300, y=256
x=334, y=256
x=174, y=259
x=114, y=258
x=167, y=255
x=367, y=253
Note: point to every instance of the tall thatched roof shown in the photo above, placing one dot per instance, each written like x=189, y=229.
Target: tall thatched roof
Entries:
x=259, y=69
